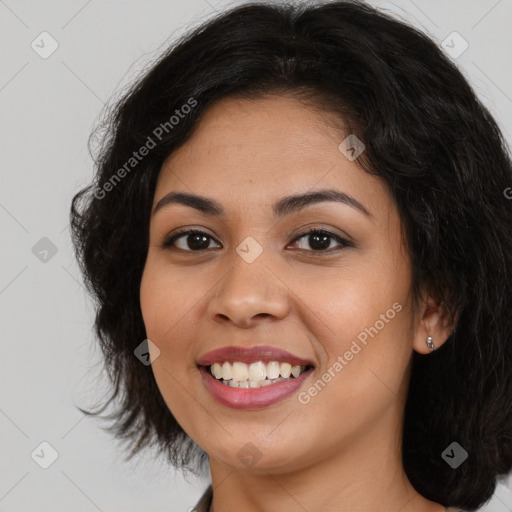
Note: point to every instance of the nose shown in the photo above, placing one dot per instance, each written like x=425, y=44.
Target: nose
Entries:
x=249, y=293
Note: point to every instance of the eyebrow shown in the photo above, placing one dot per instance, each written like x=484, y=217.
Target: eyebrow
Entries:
x=284, y=206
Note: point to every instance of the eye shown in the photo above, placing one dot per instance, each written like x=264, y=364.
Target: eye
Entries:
x=320, y=240
x=195, y=240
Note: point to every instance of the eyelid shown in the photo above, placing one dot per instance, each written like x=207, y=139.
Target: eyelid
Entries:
x=329, y=231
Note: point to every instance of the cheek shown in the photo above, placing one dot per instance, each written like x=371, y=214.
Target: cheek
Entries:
x=364, y=330
x=172, y=303
x=166, y=298
x=348, y=299
x=153, y=300
x=161, y=311
x=362, y=317
x=164, y=307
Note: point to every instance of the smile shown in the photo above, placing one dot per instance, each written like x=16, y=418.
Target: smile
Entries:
x=242, y=375
x=252, y=394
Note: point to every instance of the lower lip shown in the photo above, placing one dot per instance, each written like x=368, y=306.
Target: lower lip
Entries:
x=251, y=398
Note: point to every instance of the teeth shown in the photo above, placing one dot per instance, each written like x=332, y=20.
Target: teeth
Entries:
x=217, y=370
x=295, y=371
x=257, y=371
x=273, y=370
x=286, y=370
x=238, y=374
x=240, y=371
x=251, y=383
x=226, y=371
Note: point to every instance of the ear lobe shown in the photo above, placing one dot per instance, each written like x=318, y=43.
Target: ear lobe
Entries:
x=434, y=322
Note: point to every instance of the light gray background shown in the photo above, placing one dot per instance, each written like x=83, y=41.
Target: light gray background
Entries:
x=48, y=107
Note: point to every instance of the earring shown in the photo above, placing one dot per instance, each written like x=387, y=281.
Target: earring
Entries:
x=430, y=343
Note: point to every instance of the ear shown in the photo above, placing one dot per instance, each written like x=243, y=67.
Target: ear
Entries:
x=432, y=320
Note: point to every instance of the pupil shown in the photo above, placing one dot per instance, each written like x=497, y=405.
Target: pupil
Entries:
x=198, y=239
x=323, y=245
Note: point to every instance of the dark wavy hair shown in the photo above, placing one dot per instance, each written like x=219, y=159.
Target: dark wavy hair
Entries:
x=427, y=136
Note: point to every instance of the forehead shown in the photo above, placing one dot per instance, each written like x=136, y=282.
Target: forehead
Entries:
x=249, y=150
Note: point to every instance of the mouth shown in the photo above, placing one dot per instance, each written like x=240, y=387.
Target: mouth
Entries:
x=252, y=378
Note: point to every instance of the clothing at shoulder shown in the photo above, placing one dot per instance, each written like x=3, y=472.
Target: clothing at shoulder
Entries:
x=204, y=504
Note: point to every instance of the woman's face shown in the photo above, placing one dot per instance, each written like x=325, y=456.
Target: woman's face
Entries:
x=254, y=277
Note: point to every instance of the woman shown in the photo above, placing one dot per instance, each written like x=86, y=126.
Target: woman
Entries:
x=299, y=242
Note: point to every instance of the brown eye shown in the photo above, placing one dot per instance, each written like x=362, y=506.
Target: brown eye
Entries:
x=319, y=240
x=194, y=241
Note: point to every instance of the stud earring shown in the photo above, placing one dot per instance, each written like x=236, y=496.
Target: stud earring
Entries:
x=430, y=343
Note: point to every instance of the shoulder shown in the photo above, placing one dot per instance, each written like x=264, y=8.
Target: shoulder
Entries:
x=204, y=503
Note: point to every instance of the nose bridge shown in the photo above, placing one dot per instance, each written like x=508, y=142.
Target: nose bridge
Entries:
x=248, y=291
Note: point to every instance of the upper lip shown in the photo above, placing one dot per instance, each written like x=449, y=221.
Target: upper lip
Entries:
x=249, y=355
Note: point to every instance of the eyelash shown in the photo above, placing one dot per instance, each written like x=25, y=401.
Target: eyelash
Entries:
x=344, y=243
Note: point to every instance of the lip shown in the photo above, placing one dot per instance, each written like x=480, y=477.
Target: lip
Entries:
x=251, y=398
x=250, y=355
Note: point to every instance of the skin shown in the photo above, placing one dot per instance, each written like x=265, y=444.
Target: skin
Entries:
x=340, y=451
